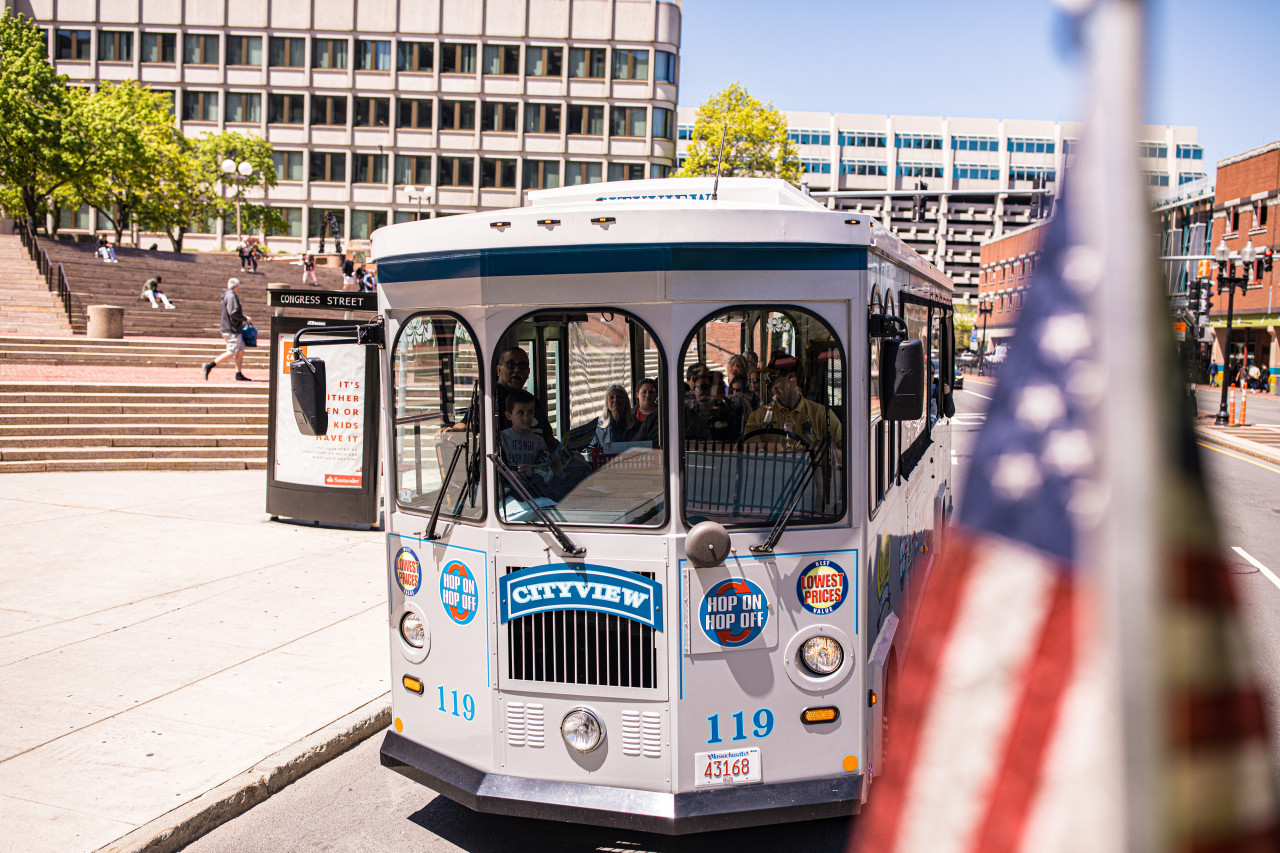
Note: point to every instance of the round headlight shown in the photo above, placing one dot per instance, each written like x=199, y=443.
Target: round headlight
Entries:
x=412, y=629
x=822, y=655
x=582, y=730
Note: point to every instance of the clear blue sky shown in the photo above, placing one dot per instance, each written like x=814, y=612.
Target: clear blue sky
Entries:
x=1214, y=64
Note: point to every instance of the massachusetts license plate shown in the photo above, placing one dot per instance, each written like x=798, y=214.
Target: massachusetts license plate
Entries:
x=730, y=767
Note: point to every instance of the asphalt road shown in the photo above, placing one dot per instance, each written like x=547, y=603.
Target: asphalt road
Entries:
x=353, y=804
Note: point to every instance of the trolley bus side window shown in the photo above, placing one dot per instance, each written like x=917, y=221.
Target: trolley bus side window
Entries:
x=576, y=460
x=752, y=426
x=435, y=379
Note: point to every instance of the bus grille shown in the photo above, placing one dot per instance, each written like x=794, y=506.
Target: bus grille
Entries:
x=581, y=647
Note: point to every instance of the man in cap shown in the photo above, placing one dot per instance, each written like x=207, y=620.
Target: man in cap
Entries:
x=233, y=320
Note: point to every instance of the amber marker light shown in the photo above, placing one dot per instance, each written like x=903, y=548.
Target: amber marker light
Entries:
x=499, y=224
x=412, y=684
x=829, y=714
x=604, y=220
x=548, y=222
x=872, y=698
x=399, y=725
x=851, y=222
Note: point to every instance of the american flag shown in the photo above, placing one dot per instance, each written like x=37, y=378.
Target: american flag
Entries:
x=1017, y=722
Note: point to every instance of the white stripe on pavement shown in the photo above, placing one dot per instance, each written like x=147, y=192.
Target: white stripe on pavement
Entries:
x=1270, y=575
x=975, y=393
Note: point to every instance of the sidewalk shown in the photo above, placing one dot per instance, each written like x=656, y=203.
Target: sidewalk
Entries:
x=169, y=656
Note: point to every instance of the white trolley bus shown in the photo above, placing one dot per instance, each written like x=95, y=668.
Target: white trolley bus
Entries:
x=678, y=613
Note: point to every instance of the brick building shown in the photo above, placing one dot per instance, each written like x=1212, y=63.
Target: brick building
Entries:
x=1004, y=271
x=1246, y=207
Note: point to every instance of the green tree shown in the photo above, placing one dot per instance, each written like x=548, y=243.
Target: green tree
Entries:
x=755, y=139
x=216, y=149
x=186, y=193
x=131, y=134
x=965, y=321
x=43, y=146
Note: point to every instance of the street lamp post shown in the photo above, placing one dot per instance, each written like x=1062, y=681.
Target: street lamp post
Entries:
x=984, y=310
x=418, y=196
x=1223, y=256
x=238, y=172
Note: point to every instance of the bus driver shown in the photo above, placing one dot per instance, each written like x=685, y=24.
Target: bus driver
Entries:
x=790, y=411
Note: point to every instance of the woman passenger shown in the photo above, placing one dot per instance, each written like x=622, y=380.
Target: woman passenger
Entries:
x=617, y=424
x=647, y=412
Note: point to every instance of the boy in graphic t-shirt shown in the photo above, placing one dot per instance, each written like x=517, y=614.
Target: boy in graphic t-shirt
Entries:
x=523, y=449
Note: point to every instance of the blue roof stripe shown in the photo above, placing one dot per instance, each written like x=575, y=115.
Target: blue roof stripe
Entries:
x=634, y=257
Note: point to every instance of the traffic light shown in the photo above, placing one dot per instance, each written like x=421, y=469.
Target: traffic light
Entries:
x=1206, y=299
x=1266, y=259
x=1193, y=295
x=917, y=204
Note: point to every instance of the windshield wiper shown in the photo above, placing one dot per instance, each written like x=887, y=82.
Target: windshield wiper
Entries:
x=513, y=480
x=431, y=534
x=815, y=457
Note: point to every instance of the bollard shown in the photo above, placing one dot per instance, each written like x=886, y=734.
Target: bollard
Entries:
x=1231, y=406
x=105, y=321
x=1244, y=402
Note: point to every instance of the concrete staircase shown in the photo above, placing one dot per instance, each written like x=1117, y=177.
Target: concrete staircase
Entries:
x=26, y=305
x=130, y=352
x=102, y=427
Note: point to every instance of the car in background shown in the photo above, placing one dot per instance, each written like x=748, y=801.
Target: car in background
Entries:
x=957, y=382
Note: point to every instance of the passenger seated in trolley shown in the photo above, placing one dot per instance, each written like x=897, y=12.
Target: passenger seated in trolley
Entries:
x=712, y=417
x=790, y=418
x=646, y=412
x=522, y=448
x=617, y=424
x=513, y=372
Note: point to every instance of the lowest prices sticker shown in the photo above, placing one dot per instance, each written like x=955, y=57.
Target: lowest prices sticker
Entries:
x=821, y=587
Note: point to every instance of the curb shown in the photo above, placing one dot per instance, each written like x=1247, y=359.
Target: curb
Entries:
x=185, y=824
x=1239, y=445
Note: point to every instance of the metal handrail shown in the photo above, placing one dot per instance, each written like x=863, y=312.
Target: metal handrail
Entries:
x=56, y=282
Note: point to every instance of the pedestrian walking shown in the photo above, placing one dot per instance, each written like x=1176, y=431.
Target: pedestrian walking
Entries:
x=309, y=269
x=348, y=274
x=233, y=320
x=106, y=251
x=151, y=291
x=254, y=254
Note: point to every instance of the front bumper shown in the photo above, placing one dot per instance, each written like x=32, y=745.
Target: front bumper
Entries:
x=644, y=811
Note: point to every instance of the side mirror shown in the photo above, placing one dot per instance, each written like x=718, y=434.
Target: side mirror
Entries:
x=306, y=377
x=902, y=379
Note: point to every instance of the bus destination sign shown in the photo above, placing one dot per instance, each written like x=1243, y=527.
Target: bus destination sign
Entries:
x=331, y=300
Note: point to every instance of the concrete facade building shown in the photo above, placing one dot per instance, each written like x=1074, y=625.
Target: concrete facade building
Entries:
x=978, y=176
x=1245, y=210
x=471, y=103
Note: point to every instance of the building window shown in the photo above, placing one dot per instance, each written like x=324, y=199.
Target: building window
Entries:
x=373, y=55
x=862, y=139
x=543, y=61
x=816, y=167
x=244, y=50
x=498, y=174
x=292, y=223
x=659, y=170
x=867, y=168
x=413, y=170
x=587, y=62
x=1188, y=177
x=329, y=110
x=457, y=115
x=684, y=131
x=917, y=140
x=1233, y=220
x=626, y=171
x=285, y=109
x=72, y=44
x=412, y=112
x=542, y=118
x=244, y=107
x=1190, y=152
x=414, y=56
x=1069, y=146
x=329, y=166
x=627, y=121
x=975, y=173
x=1260, y=214
x=170, y=96
x=541, y=174
x=501, y=59
x=373, y=112
x=328, y=53
x=664, y=66
x=630, y=64
x=287, y=52
x=159, y=47
x=365, y=222
x=288, y=165
x=1031, y=173
x=199, y=49
x=975, y=143
x=199, y=106
x=809, y=137
x=317, y=222
x=1153, y=149
x=663, y=123
x=115, y=46
x=458, y=58
x=1157, y=179
x=576, y=173
x=369, y=168
x=499, y=116
x=74, y=218
x=919, y=170
x=586, y=120
x=456, y=172
x=1019, y=145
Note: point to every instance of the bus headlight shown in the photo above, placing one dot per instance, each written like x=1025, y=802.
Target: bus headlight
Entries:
x=412, y=630
x=582, y=730
x=822, y=655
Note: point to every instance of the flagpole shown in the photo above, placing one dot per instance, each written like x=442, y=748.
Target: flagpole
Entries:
x=1128, y=547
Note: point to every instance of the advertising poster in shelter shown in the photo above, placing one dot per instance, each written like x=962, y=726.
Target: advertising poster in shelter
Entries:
x=334, y=459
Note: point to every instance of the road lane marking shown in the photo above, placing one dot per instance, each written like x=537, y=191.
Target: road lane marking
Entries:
x=1263, y=465
x=975, y=393
x=1270, y=575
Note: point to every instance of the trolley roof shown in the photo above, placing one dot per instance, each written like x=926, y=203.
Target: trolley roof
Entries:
x=673, y=212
